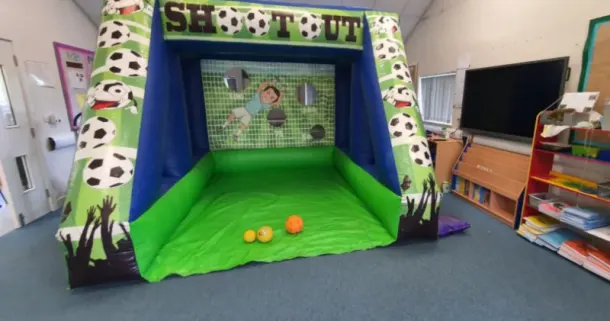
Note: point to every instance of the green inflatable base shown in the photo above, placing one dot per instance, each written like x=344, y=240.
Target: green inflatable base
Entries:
x=210, y=236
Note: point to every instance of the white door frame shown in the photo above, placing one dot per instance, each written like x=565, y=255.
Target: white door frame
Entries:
x=38, y=144
x=35, y=159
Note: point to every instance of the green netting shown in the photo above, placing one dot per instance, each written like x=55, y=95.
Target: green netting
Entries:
x=288, y=125
x=209, y=237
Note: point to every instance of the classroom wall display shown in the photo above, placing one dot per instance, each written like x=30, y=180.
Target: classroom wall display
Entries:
x=74, y=72
x=595, y=65
x=207, y=118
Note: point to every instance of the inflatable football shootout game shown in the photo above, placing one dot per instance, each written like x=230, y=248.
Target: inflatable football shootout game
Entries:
x=208, y=118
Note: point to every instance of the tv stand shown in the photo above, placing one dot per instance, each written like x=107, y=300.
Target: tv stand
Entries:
x=491, y=179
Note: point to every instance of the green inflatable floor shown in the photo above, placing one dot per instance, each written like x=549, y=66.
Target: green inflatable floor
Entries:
x=209, y=238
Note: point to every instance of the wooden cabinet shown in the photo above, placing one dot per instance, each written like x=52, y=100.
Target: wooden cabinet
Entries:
x=445, y=153
x=493, y=180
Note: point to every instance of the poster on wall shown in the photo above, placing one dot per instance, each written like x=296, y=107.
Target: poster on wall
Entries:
x=74, y=72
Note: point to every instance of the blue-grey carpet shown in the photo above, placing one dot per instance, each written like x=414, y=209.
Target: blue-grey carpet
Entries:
x=489, y=273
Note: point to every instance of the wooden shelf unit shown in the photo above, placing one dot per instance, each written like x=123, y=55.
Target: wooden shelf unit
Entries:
x=493, y=180
x=540, y=179
x=541, y=165
x=445, y=152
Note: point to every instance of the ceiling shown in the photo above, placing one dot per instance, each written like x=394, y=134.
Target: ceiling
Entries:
x=410, y=10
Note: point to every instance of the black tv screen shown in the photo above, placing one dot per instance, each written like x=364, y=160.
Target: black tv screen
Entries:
x=506, y=99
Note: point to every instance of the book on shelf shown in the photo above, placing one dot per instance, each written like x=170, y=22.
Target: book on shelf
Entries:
x=583, y=213
x=540, y=242
x=542, y=223
x=553, y=208
x=598, y=262
x=601, y=257
x=597, y=269
x=532, y=230
x=527, y=233
x=576, y=251
x=570, y=256
x=583, y=218
x=553, y=240
x=459, y=184
x=486, y=196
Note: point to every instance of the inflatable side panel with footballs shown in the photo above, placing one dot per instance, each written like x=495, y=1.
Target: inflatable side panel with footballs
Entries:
x=94, y=228
x=420, y=192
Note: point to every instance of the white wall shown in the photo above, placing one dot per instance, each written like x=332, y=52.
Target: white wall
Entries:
x=494, y=32
x=33, y=26
x=497, y=32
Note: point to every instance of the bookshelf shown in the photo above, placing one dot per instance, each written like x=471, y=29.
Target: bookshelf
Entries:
x=543, y=178
x=540, y=179
x=491, y=179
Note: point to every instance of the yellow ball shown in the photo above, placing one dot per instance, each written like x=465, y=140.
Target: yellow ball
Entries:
x=249, y=236
x=265, y=234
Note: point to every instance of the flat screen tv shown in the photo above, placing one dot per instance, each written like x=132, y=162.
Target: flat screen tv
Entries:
x=504, y=100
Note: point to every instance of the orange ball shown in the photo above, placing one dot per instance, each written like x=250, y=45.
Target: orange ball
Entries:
x=294, y=224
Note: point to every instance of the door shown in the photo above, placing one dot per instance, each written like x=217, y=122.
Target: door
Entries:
x=23, y=185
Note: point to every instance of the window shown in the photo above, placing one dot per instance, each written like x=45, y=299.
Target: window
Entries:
x=6, y=109
x=24, y=173
x=436, y=98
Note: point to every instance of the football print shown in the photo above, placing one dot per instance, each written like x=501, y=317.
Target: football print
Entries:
x=387, y=49
x=95, y=133
x=229, y=20
x=402, y=127
x=310, y=26
x=122, y=7
x=127, y=63
x=110, y=171
x=384, y=25
x=400, y=70
x=419, y=152
x=112, y=33
x=111, y=94
x=257, y=22
x=399, y=96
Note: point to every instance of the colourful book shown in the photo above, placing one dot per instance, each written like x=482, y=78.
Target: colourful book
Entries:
x=526, y=234
x=597, y=269
x=555, y=239
x=553, y=208
x=602, y=258
x=530, y=229
x=542, y=223
x=571, y=257
x=576, y=251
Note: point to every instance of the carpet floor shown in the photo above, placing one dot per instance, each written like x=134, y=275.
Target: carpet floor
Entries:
x=488, y=273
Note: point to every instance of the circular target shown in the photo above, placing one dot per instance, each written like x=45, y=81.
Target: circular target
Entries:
x=317, y=132
x=276, y=117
